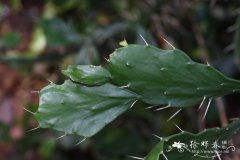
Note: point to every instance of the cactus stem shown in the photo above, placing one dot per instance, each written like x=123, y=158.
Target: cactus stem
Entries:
x=81, y=141
x=28, y=111
x=200, y=106
x=134, y=157
x=144, y=40
x=162, y=108
x=174, y=115
x=209, y=102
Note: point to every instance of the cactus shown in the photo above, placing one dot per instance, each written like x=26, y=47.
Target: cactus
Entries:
x=97, y=95
x=166, y=149
x=167, y=77
x=77, y=109
x=87, y=74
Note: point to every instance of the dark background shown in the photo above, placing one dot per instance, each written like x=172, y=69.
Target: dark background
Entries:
x=39, y=38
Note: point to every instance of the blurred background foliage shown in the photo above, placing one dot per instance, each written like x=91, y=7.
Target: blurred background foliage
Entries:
x=39, y=38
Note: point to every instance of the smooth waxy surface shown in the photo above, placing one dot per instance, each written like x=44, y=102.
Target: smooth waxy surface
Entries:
x=134, y=72
x=167, y=76
x=81, y=110
x=87, y=74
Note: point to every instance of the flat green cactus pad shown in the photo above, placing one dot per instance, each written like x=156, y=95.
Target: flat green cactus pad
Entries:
x=167, y=76
x=81, y=110
x=135, y=72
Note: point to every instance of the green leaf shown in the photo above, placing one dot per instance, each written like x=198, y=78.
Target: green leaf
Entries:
x=38, y=42
x=87, y=74
x=81, y=110
x=167, y=76
x=212, y=136
x=59, y=33
x=88, y=54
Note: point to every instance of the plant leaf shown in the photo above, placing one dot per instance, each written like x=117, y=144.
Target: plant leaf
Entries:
x=167, y=76
x=88, y=54
x=81, y=110
x=58, y=33
x=87, y=74
x=213, y=135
